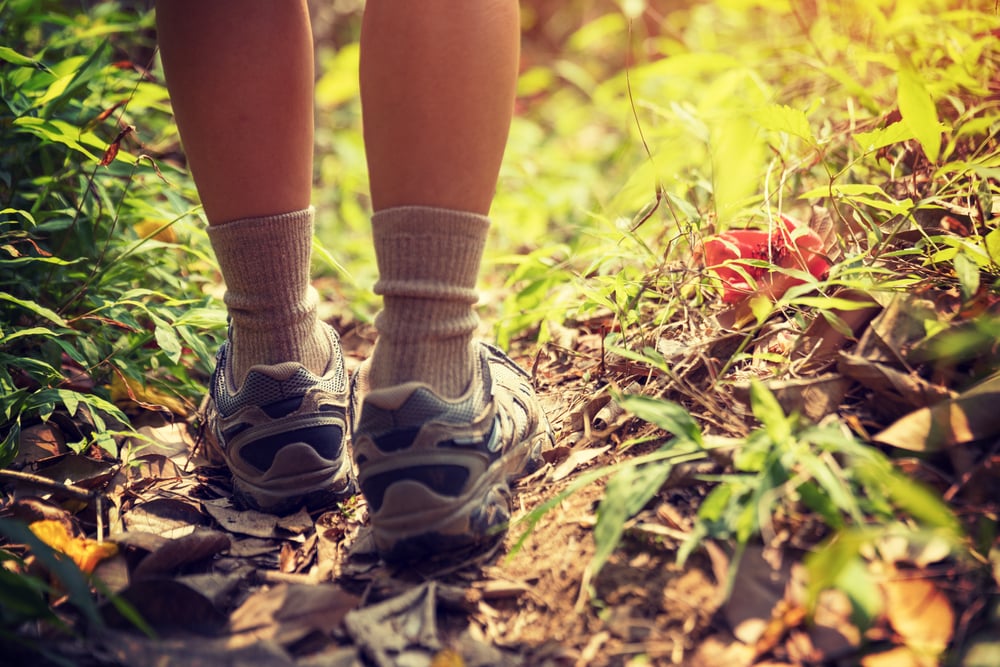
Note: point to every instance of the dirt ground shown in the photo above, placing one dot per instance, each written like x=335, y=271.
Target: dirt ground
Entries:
x=220, y=585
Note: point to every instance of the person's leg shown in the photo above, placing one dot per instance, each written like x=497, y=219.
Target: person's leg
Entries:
x=240, y=77
x=438, y=81
x=445, y=424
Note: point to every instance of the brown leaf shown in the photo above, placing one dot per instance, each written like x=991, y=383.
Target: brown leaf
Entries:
x=248, y=522
x=30, y=510
x=169, y=517
x=172, y=440
x=812, y=397
x=288, y=612
x=129, y=648
x=757, y=590
x=824, y=338
x=784, y=617
x=920, y=613
x=297, y=523
x=577, y=459
x=82, y=471
x=112, y=151
x=147, y=470
x=40, y=441
x=167, y=604
x=103, y=116
x=973, y=415
x=182, y=551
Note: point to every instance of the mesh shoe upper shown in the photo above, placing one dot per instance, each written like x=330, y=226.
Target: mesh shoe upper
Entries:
x=282, y=432
x=436, y=472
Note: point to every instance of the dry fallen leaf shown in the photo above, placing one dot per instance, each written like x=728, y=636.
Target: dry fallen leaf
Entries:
x=970, y=416
x=757, y=591
x=920, y=613
x=85, y=552
x=447, y=658
x=182, y=551
x=249, y=522
x=287, y=612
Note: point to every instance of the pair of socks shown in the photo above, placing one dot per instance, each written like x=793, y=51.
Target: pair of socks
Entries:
x=428, y=261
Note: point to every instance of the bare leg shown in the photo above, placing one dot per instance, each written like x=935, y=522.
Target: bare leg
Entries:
x=437, y=85
x=437, y=89
x=240, y=76
x=241, y=85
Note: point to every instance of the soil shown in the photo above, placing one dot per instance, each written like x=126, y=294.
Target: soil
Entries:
x=219, y=584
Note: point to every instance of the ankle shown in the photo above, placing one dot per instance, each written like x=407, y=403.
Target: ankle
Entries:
x=446, y=366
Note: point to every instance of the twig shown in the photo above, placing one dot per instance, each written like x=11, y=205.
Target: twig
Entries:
x=65, y=488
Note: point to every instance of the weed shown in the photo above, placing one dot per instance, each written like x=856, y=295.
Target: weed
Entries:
x=102, y=270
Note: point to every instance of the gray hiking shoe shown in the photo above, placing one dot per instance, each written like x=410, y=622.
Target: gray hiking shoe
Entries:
x=436, y=473
x=282, y=433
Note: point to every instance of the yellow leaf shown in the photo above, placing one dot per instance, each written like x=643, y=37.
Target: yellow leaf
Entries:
x=86, y=553
x=123, y=391
x=447, y=658
x=920, y=613
x=158, y=229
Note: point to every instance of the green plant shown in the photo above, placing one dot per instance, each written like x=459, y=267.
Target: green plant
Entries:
x=102, y=269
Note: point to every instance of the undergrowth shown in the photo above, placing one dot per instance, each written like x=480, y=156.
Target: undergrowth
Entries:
x=102, y=267
x=644, y=131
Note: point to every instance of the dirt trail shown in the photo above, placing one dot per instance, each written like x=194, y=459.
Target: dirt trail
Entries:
x=220, y=585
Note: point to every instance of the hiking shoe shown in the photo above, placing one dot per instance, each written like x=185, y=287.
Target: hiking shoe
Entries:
x=282, y=433
x=436, y=472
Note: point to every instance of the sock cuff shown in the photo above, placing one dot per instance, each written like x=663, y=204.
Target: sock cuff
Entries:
x=429, y=221
x=272, y=252
x=429, y=253
x=243, y=225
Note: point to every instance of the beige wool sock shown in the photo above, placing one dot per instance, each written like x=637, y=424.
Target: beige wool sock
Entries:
x=428, y=262
x=265, y=263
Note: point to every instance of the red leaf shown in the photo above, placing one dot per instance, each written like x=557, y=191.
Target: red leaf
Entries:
x=789, y=246
x=112, y=151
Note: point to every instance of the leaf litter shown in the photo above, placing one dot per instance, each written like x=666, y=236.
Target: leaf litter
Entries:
x=225, y=585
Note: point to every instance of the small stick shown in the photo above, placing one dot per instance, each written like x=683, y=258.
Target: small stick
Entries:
x=65, y=488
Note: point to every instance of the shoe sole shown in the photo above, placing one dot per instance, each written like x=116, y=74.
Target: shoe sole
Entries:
x=321, y=485
x=472, y=523
x=314, y=489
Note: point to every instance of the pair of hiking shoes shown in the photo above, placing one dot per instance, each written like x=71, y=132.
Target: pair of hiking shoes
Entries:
x=435, y=472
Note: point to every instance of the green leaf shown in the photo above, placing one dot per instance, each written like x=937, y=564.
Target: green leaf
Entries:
x=918, y=111
x=843, y=190
x=9, y=444
x=669, y=416
x=63, y=569
x=992, y=243
x=16, y=211
x=14, y=58
x=967, y=272
x=783, y=118
x=713, y=507
x=23, y=597
x=626, y=493
x=70, y=399
x=23, y=333
x=886, y=136
x=167, y=339
x=768, y=411
x=825, y=303
x=41, y=311
x=83, y=74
